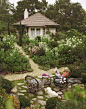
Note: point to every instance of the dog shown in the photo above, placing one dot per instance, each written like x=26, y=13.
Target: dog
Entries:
x=51, y=93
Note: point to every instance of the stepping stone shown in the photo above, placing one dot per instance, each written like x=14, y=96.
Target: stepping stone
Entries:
x=25, y=87
x=82, y=87
x=60, y=93
x=31, y=95
x=47, y=96
x=20, y=94
x=70, y=81
x=52, y=84
x=34, y=99
x=57, y=88
x=42, y=102
x=14, y=90
x=20, y=83
x=22, y=90
x=31, y=101
x=63, y=90
x=40, y=97
x=69, y=86
x=39, y=93
x=19, y=87
x=72, y=78
x=75, y=85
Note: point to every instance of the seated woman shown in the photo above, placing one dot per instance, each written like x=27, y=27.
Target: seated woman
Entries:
x=57, y=74
x=61, y=78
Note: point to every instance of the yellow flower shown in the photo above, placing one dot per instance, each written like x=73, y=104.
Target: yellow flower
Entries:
x=1, y=106
x=8, y=96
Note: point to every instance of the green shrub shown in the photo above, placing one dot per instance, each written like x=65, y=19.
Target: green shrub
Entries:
x=75, y=72
x=69, y=104
x=69, y=34
x=44, y=40
x=44, y=67
x=40, y=52
x=52, y=44
x=33, y=43
x=59, y=36
x=83, y=67
x=7, y=85
x=25, y=40
x=24, y=102
x=51, y=103
x=38, y=38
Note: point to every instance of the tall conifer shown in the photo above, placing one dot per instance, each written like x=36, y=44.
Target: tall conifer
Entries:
x=20, y=35
x=8, y=29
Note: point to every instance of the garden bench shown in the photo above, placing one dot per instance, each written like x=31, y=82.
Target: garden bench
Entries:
x=34, y=85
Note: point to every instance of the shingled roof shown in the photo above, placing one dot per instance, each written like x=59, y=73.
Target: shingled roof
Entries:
x=36, y=20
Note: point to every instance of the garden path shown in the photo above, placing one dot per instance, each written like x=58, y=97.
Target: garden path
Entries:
x=34, y=66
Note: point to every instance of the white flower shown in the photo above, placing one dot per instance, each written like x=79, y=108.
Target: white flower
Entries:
x=2, y=49
x=4, y=39
x=11, y=54
x=74, y=46
x=69, y=45
x=56, y=53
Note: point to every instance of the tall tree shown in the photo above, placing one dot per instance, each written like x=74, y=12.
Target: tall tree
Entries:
x=20, y=34
x=67, y=14
x=5, y=7
x=32, y=6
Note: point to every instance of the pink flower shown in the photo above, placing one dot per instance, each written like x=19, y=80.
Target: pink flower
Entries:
x=29, y=49
x=44, y=74
x=33, y=50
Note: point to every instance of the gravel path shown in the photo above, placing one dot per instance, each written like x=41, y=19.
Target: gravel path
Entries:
x=36, y=72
